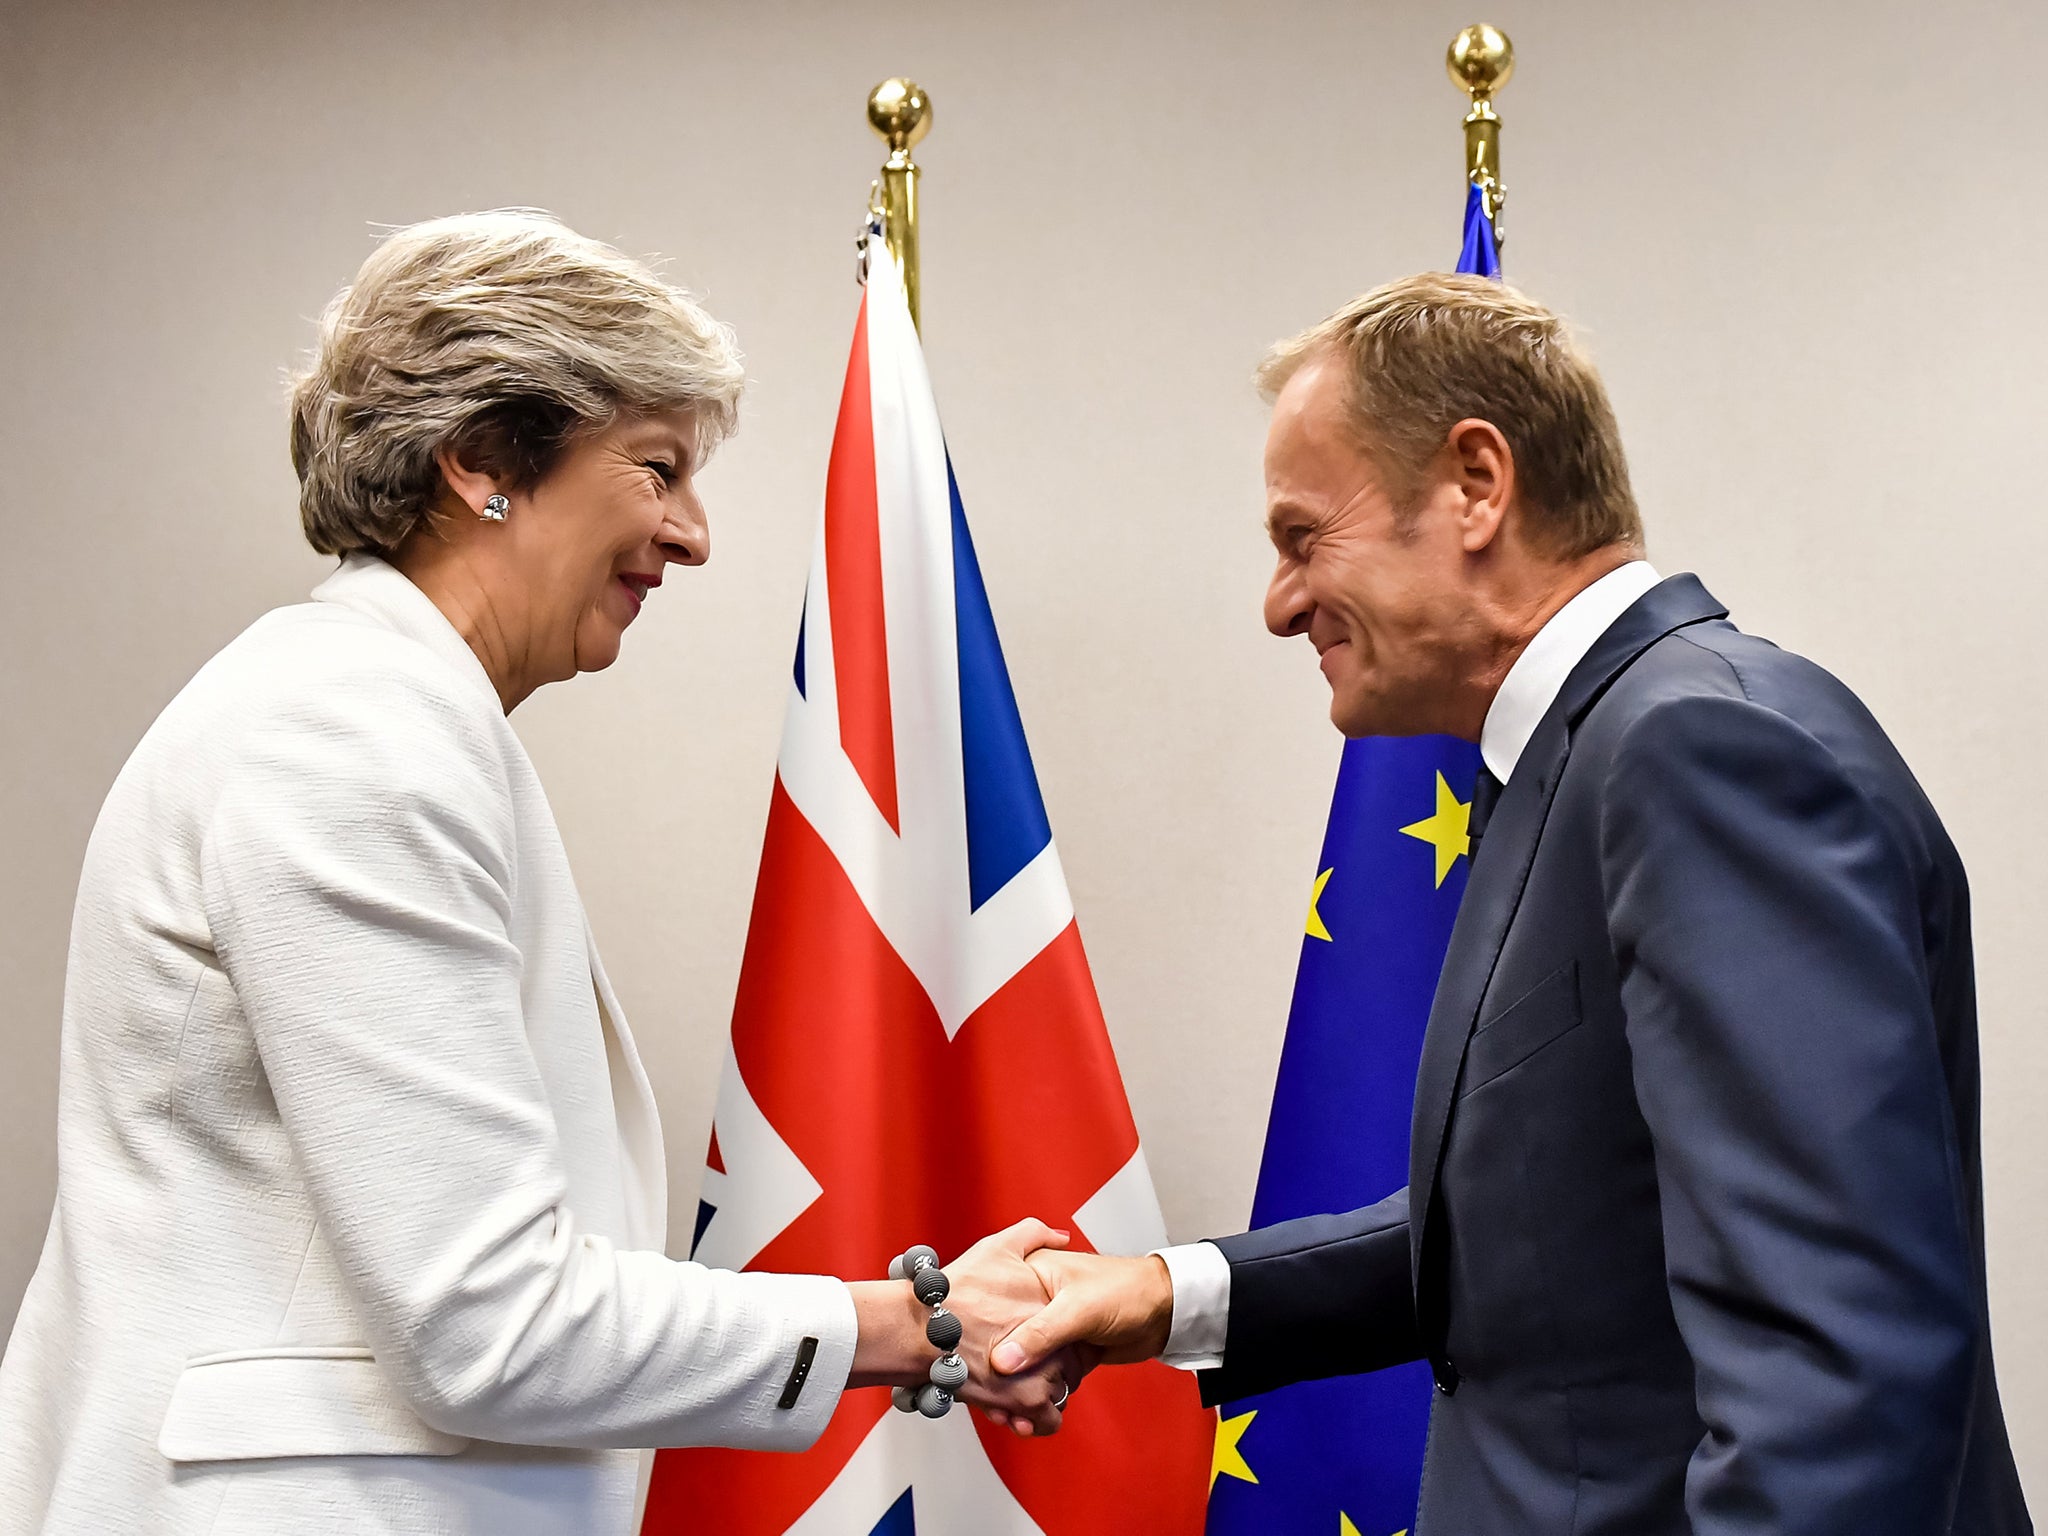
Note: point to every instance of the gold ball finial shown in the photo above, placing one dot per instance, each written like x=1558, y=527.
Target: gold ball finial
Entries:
x=1481, y=59
x=900, y=112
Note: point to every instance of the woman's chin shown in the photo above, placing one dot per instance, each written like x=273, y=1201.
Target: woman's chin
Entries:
x=597, y=651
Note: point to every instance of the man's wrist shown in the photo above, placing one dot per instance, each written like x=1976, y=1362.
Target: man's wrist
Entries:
x=1159, y=1305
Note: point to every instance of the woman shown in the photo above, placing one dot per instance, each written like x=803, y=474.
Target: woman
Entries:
x=360, y=1196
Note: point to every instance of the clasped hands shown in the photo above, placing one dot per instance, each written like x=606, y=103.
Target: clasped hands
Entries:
x=1037, y=1318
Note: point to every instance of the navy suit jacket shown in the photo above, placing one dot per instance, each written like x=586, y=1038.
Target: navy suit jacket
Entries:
x=1693, y=1236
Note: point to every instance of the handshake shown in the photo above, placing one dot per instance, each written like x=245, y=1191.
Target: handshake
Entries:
x=1035, y=1319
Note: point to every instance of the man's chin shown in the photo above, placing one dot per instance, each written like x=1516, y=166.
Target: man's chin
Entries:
x=1354, y=722
x=1357, y=717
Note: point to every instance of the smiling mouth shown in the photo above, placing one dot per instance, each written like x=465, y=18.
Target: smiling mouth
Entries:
x=637, y=588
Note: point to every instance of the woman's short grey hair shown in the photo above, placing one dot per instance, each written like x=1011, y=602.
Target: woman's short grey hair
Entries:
x=506, y=336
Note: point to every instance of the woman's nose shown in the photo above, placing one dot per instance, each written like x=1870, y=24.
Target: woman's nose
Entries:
x=686, y=537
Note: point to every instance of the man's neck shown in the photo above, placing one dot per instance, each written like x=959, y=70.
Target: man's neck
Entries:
x=1546, y=659
x=1520, y=612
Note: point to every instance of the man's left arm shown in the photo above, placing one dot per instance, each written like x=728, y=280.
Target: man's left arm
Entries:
x=1768, y=933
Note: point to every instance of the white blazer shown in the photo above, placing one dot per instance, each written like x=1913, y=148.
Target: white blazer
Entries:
x=360, y=1193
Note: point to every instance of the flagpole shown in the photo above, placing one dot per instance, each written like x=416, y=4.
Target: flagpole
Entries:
x=1480, y=61
x=901, y=113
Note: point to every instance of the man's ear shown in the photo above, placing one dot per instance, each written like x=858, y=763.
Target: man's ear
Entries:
x=468, y=484
x=1483, y=467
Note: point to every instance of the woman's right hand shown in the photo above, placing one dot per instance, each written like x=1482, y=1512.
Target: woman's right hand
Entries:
x=993, y=1289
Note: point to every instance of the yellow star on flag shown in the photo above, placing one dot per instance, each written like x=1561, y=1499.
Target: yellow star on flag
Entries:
x=1228, y=1460
x=1316, y=930
x=1447, y=831
x=1346, y=1528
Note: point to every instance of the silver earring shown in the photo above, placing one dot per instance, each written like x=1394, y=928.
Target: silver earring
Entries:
x=495, y=508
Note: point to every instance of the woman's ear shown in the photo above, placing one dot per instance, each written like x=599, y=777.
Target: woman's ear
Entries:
x=471, y=486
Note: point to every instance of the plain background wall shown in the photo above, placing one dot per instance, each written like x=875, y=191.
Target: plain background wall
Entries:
x=1798, y=237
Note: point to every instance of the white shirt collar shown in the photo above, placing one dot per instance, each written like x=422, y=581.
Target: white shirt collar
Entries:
x=1539, y=673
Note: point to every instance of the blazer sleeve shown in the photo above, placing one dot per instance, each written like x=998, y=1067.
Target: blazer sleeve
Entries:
x=1322, y=1296
x=359, y=886
x=1767, y=927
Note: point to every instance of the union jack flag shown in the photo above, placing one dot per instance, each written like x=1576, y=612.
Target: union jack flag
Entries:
x=918, y=1055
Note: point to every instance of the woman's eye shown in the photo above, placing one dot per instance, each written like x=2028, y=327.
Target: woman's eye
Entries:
x=664, y=471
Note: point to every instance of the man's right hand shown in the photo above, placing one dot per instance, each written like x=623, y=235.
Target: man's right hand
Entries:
x=1113, y=1311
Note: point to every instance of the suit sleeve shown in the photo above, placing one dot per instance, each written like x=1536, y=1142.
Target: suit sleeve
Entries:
x=359, y=886
x=1767, y=926
x=1322, y=1296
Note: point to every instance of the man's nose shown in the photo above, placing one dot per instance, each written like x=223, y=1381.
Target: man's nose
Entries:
x=1287, y=604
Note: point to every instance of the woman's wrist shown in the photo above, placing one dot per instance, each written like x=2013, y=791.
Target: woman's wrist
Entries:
x=890, y=1348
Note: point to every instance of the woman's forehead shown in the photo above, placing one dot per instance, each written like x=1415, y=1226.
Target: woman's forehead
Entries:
x=675, y=426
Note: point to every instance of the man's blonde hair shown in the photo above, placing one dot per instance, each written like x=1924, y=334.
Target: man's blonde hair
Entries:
x=506, y=335
x=1424, y=353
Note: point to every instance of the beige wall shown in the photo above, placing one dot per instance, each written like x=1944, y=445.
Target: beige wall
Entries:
x=1799, y=237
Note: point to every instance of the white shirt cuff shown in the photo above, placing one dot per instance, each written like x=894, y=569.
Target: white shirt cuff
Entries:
x=1201, y=1305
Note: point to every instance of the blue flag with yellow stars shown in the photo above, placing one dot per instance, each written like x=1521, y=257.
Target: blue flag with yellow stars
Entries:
x=1343, y=1457
x=1480, y=253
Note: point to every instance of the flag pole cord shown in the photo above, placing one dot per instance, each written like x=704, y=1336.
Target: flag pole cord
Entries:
x=1480, y=61
x=901, y=113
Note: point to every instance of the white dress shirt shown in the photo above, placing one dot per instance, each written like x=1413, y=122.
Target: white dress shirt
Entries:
x=1199, y=1271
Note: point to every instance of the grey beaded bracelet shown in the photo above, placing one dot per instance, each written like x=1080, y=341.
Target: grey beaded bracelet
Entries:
x=920, y=1266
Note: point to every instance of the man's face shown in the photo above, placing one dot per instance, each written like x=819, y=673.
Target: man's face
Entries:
x=1382, y=596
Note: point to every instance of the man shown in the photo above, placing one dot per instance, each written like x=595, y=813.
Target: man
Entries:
x=1693, y=1235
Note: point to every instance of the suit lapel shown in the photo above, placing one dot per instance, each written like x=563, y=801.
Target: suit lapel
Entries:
x=1491, y=897
x=1496, y=885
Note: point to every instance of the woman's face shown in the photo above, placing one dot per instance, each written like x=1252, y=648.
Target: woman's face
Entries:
x=596, y=534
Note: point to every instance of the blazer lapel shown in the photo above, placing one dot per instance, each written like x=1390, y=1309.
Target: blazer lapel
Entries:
x=644, y=1161
x=380, y=592
x=1495, y=887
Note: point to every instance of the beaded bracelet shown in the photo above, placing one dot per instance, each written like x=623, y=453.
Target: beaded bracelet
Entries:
x=920, y=1266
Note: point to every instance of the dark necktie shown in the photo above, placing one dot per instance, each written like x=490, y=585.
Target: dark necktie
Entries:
x=1485, y=795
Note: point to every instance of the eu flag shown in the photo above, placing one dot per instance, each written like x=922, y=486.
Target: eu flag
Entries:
x=1480, y=252
x=1343, y=1457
